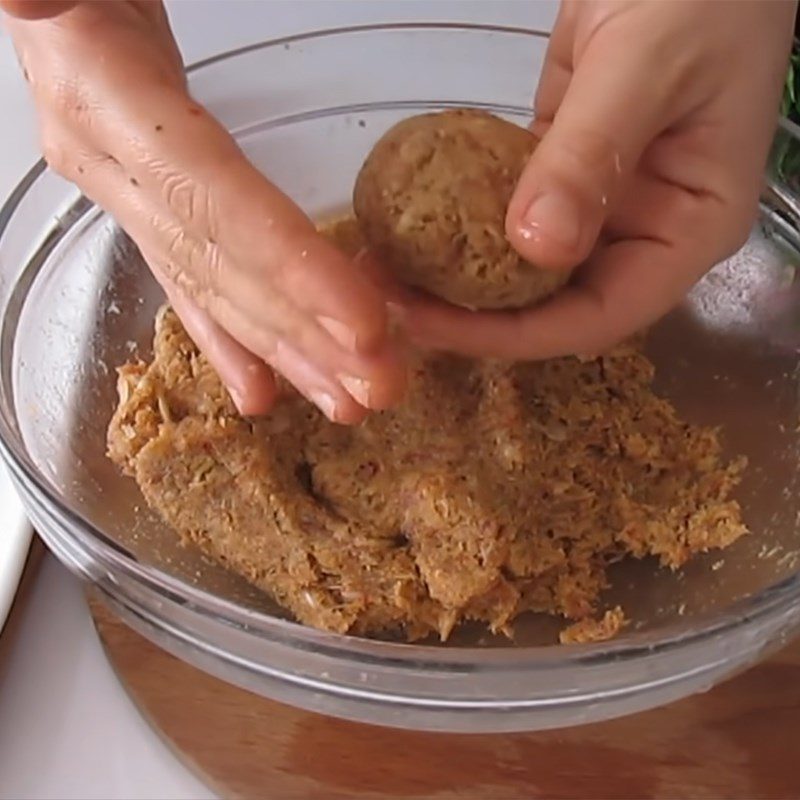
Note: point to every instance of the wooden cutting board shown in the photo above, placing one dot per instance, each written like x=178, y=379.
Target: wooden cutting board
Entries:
x=741, y=740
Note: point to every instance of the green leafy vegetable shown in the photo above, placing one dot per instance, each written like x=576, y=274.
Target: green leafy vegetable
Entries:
x=790, y=104
x=786, y=157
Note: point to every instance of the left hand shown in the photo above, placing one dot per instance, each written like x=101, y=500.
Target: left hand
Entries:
x=655, y=121
x=256, y=286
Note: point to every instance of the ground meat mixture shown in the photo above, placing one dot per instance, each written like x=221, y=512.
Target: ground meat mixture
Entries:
x=493, y=490
x=432, y=198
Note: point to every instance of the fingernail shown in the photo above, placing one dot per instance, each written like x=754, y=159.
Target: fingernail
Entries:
x=397, y=316
x=325, y=402
x=343, y=334
x=359, y=388
x=237, y=398
x=552, y=216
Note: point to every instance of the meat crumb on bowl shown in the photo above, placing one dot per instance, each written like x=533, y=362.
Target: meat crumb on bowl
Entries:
x=594, y=630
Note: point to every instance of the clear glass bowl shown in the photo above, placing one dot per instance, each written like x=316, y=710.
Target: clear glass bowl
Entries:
x=76, y=301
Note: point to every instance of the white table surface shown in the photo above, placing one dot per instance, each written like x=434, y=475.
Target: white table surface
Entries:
x=67, y=730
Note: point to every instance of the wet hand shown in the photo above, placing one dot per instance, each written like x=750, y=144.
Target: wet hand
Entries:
x=655, y=121
x=255, y=285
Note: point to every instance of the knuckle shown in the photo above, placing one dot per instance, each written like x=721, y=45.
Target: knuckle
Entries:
x=587, y=152
x=56, y=155
x=182, y=249
x=178, y=192
x=175, y=242
x=177, y=260
x=199, y=262
x=61, y=98
x=169, y=268
x=189, y=200
x=213, y=268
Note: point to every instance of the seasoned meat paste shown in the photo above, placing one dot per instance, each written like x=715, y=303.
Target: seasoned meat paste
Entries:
x=431, y=199
x=494, y=489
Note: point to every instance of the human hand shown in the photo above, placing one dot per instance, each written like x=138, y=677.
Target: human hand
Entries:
x=256, y=287
x=656, y=120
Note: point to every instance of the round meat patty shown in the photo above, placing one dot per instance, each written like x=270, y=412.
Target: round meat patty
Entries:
x=431, y=199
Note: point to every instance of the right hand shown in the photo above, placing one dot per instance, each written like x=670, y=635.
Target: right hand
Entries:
x=255, y=285
x=655, y=120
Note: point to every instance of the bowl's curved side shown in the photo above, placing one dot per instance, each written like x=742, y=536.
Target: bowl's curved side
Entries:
x=386, y=685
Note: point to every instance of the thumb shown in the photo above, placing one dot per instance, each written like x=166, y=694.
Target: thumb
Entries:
x=608, y=116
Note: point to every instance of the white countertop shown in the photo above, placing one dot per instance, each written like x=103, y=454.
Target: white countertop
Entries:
x=67, y=730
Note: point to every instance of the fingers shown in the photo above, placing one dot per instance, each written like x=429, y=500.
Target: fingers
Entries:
x=264, y=323
x=248, y=379
x=626, y=287
x=373, y=382
x=606, y=119
x=316, y=385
